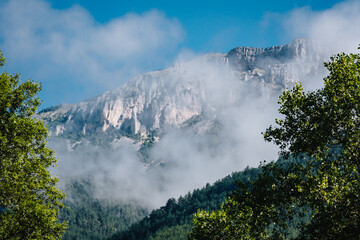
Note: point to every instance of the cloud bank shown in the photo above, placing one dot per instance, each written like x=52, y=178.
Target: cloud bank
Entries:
x=336, y=29
x=69, y=50
x=183, y=159
x=55, y=44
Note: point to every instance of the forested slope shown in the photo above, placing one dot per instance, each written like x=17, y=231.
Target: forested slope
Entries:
x=174, y=219
x=94, y=219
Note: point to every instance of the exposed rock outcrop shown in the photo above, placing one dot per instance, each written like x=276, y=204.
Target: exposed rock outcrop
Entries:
x=173, y=96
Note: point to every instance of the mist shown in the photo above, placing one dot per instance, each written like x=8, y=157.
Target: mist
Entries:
x=185, y=159
x=335, y=29
x=229, y=139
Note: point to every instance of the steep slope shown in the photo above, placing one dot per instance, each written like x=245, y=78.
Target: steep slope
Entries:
x=169, y=131
x=156, y=100
x=93, y=219
x=179, y=213
x=174, y=220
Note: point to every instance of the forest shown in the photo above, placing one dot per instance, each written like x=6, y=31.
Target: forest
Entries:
x=315, y=181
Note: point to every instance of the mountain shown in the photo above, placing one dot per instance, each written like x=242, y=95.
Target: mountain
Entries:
x=166, y=132
x=156, y=100
x=174, y=219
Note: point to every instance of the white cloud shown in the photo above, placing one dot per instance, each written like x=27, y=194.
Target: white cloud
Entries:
x=336, y=29
x=69, y=49
x=183, y=159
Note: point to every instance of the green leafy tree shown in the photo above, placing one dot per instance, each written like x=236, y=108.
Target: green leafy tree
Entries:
x=317, y=195
x=260, y=208
x=29, y=197
x=325, y=124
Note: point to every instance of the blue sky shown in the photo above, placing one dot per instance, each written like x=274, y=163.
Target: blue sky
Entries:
x=79, y=49
x=210, y=26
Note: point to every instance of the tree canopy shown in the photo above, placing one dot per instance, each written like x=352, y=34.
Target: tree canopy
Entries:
x=29, y=197
x=316, y=195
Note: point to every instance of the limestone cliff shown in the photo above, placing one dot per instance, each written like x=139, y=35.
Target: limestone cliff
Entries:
x=174, y=96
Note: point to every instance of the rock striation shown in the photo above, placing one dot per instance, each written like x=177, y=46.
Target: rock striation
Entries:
x=175, y=96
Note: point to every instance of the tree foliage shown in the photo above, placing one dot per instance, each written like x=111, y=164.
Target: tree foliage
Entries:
x=90, y=218
x=29, y=198
x=317, y=197
x=174, y=219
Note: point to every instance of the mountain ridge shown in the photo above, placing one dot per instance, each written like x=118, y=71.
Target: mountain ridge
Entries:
x=165, y=132
x=156, y=100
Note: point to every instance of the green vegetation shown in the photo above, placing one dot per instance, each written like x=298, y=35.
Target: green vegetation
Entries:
x=174, y=233
x=176, y=216
x=174, y=219
x=95, y=219
x=29, y=198
x=317, y=198
x=148, y=142
x=312, y=192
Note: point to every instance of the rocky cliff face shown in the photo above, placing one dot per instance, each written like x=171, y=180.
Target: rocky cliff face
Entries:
x=248, y=58
x=197, y=89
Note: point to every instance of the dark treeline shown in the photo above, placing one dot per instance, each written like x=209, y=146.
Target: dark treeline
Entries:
x=174, y=220
x=93, y=219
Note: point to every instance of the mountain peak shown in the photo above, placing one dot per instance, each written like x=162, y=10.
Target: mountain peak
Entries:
x=248, y=57
x=172, y=97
